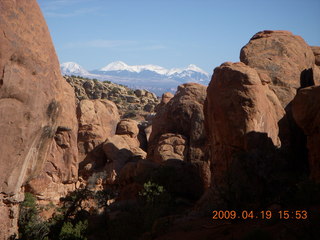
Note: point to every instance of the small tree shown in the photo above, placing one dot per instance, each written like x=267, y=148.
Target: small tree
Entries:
x=31, y=225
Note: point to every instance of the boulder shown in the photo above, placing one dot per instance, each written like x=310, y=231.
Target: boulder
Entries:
x=121, y=149
x=279, y=58
x=241, y=114
x=140, y=92
x=183, y=114
x=128, y=127
x=98, y=120
x=36, y=107
x=166, y=97
x=306, y=113
x=170, y=146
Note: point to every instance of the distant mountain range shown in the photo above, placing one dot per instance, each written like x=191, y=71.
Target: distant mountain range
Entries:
x=151, y=77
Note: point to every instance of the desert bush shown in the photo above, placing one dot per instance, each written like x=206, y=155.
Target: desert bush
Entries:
x=76, y=231
x=31, y=225
x=115, y=90
x=70, y=221
x=152, y=192
x=130, y=92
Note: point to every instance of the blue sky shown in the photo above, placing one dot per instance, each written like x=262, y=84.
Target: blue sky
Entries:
x=170, y=33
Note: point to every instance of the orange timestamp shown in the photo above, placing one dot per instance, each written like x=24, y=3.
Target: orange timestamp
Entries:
x=265, y=214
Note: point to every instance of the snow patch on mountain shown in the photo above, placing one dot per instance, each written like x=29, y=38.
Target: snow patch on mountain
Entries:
x=72, y=68
x=121, y=66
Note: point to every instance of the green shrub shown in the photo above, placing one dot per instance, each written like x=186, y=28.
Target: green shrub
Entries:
x=130, y=92
x=31, y=225
x=115, y=90
x=74, y=232
x=151, y=192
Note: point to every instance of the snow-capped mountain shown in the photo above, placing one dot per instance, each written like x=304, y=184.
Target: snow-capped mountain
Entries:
x=72, y=68
x=121, y=66
x=151, y=77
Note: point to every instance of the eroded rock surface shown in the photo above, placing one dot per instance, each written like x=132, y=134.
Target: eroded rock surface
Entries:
x=279, y=57
x=124, y=146
x=170, y=146
x=98, y=120
x=241, y=114
x=36, y=107
x=128, y=127
x=183, y=114
x=316, y=52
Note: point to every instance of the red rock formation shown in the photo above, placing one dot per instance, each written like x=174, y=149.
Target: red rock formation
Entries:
x=306, y=112
x=128, y=127
x=166, y=97
x=316, y=70
x=183, y=114
x=170, y=146
x=279, y=57
x=241, y=113
x=178, y=134
x=123, y=147
x=36, y=106
x=98, y=120
x=316, y=52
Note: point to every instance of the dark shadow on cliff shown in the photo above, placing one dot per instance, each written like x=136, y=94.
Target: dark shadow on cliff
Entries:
x=260, y=176
x=306, y=78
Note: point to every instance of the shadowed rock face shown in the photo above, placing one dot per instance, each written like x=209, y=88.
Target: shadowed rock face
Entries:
x=183, y=114
x=306, y=113
x=37, y=108
x=178, y=133
x=238, y=108
x=279, y=57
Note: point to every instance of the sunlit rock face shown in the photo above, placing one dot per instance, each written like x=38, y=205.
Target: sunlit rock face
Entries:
x=241, y=114
x=279, y=57
x=37, y=110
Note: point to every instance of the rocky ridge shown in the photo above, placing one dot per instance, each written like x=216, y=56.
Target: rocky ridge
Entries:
x=130, y=103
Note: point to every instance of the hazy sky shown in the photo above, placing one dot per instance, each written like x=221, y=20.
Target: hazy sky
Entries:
x=170, y=33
